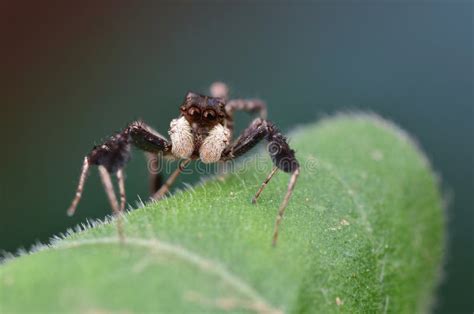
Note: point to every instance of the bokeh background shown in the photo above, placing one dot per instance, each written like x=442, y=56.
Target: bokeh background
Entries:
x=73, y=72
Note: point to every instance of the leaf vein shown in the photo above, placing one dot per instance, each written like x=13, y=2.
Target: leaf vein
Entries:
x=207, y=265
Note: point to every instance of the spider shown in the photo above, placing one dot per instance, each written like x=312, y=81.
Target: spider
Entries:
x=203, y=131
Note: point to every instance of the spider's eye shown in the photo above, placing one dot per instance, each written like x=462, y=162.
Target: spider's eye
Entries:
x=209, y=114
x=193, y=111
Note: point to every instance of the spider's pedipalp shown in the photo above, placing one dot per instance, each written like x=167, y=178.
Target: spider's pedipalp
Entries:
x=182, y=138
x=214, y=144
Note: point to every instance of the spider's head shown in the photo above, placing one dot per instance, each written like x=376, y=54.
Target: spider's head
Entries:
x=203, y=110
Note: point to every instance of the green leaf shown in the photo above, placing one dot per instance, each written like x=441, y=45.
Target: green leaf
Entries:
x=363, y=233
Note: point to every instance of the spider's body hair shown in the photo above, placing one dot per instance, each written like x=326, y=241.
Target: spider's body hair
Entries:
x=214, y=144
x=181, y=138
x=197, y=142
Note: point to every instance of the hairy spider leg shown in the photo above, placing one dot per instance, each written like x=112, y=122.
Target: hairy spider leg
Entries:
x=80, y=187
x=169, y=182
x=264, y=184
x=282, y=155
x=154, y=144
x=221, y=90
x=109, y=190
x=246, y=105
x=112, y=156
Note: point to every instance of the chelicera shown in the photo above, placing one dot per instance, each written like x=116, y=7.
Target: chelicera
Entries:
x=203, y=131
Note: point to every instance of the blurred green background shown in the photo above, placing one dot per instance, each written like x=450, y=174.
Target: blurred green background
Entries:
x=74, y=72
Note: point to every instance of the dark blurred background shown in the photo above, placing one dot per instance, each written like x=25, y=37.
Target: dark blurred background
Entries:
x=74, y=72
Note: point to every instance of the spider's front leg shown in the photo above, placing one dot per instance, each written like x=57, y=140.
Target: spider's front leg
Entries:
x=282, y=155
x=112, y=156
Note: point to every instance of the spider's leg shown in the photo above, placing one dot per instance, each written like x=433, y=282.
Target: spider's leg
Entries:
x=264, y=184
x=123, y=200
x=109, y=190
x=80, y=187
x=154, y=145
x=247, y=105
x=284, y=203
x=282, y=155
x=166, y=186
x=219, y=89
x=147, y=139
x=121, y=185
x=114, y=154
x=155, y=180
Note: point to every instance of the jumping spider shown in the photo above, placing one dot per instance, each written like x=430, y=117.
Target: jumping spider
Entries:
x=202, y=131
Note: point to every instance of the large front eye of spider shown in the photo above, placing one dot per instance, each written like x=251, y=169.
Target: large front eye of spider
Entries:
x=209, y=115
x=194, y=112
